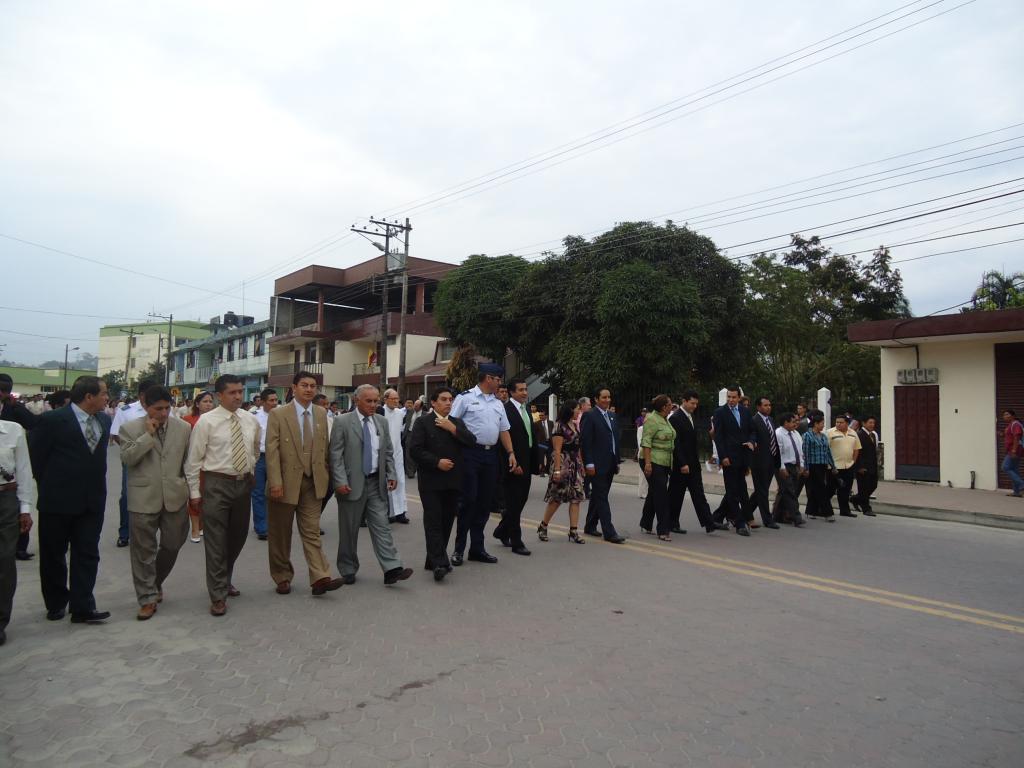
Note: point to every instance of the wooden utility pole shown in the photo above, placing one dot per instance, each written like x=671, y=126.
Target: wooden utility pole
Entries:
x=128, y=355
x=405, y=300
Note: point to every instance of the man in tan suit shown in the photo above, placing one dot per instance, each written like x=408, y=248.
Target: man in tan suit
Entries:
x=155, y=447
x=297, y=479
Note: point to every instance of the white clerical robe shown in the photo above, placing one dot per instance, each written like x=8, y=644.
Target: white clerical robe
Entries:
x=395, y=418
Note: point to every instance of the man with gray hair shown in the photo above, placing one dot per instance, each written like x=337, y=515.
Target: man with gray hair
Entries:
x=363, y=471
x=394, y=414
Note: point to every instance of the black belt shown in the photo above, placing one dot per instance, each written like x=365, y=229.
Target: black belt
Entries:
x=482, y=447
x=373, y=474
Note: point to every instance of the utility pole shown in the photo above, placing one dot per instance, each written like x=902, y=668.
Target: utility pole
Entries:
x=401, y=324
x=66, y=348
x=388, y=230
x=170, y=346
x=128, y=355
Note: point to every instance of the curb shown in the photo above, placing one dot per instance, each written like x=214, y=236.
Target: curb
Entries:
x=985, y=519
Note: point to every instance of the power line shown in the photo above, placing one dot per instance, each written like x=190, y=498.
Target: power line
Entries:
x=72, y=314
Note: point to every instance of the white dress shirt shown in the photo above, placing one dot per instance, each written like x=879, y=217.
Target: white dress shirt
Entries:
x=14, y=460
x=262, y=416
x=83, y=422
x=210, y=446
x=787, y=452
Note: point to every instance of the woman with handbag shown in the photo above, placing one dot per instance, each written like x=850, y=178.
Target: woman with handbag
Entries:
x=566, y=482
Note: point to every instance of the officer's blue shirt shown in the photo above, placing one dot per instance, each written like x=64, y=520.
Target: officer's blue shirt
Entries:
x=484, y=415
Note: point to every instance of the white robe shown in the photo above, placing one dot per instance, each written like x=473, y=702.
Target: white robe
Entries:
x=395, y=417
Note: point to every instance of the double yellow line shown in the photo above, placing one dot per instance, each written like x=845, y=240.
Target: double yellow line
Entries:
x=1003, y=621
x=942, y=609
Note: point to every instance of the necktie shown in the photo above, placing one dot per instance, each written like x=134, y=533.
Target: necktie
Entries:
x=736, y=414
x=608, y=421
x=161, y=434
x=307, y=444
x=771, y=429
x=796, y=453
x=92, y=437
x=528, y=424
x=367, y=447
x=238, y=458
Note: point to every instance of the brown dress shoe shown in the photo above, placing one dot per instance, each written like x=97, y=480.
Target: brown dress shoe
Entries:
x=284, y=587
x=218, y=608
x=326, y=584
x=160, y=596
x=232, y=592
x=146, y=611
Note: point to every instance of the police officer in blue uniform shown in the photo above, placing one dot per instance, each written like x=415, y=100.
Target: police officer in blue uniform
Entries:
x=484, y=416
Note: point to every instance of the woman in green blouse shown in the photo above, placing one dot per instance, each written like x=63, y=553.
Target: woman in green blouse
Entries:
x=657, y=444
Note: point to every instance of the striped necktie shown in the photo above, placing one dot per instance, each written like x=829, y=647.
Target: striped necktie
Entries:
x=92, y=437
x=238, y=458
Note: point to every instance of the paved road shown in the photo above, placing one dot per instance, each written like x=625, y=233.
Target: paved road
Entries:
x=868, y=642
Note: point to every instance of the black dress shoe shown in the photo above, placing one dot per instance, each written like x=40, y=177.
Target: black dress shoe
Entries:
x=122, y=542
x=349, y=579
x=855, y=503
x=869, y=513
x=847, y=514
x=440, y=573
x=799, y=523
x=615, y=539
x=396, y=575
x=743, y=531
x=677, y=529
x=402, y=518
x=456, y=559
x=56, y=615
x=773, y=525
x=481, y=557
x=591, y=532
x=519, y=549
x=23, y=555
x=261, y=536
x=92, y=617
x=505, y=541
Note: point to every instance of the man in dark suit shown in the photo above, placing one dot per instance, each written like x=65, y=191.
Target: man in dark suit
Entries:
x=436, y=443
x=867, y=466
x=12, y=410
x=686, y=472
x=764, y=463
x=69, y=460
x=542, y=429
x=734, y=439
x=516, y=482
x=599, y=443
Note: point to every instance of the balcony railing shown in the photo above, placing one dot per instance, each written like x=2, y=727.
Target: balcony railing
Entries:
x=361, y=369
x=285, y=369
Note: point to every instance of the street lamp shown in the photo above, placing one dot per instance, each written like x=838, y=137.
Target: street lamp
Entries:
x=66, y=349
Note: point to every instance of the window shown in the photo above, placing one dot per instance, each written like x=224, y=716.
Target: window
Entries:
x=311, y=353
x=243, y=348
x=131, y=363
x=257, y=346
x=445, y=350
x=327, y=352
x=135, y=341
x=190, y=359
x=230, y=350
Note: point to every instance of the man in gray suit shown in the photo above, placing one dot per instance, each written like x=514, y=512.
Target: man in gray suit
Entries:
x=155, y=447
x=363, y=470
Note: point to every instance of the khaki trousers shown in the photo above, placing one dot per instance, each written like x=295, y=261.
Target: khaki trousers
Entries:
x=281, y=518
x=152, y=561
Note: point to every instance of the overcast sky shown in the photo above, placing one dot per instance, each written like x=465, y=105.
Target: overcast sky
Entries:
x=216, y=143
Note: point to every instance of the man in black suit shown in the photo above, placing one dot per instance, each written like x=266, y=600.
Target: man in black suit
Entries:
x=686, y=472
x=12, y=410
x=516, y=482
x=599, y=444
x=764, y=464
x=734, y=439
x=867, y=466
x=435, y=445
x=69, y=460
x=542, y=429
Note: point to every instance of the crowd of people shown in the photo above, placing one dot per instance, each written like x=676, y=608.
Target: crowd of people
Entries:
x=210, y=469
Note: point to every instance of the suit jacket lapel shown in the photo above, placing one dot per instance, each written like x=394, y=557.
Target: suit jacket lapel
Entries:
x=292, y=420
x=72, y=420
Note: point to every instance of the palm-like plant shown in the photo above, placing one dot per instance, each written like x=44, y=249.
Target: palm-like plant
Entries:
x=999, y=291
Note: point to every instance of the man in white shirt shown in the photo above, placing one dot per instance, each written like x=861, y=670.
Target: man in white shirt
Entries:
x=268, y=402
x=787, y=501
x=225, y=447
x=17, y=497
x=395, y=416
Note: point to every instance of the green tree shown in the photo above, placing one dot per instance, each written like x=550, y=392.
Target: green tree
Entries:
x=116, y=384
x=462, y=368
x=998, y=291
x=155, y=372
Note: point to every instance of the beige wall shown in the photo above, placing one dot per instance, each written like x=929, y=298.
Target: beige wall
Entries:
x=967, y=403
x=114, y=349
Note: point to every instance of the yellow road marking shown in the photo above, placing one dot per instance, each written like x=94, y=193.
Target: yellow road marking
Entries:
x=819, y=584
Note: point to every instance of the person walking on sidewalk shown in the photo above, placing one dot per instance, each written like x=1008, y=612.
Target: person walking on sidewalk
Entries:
x=1013, y=436
x=599, y=445
x=787, y=501
x=155, y=448
x=845, y=447
x=268, y=402
x=820, y=466
x=17, y=497
x=225, y=446
x=867, y=466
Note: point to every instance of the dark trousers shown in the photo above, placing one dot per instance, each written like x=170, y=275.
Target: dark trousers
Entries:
x=479, y=479
x=867, y=483
x=124, y=524
x=259, y=495
x=787, y=501
x=656, y=504
x=678, y=485
x=599, y=510
x=517, y=492
x=22, y=542
x=844, y=485
x=226, y=526
x=737, y=499
x=8, y=544
x=762, y=488
x=81, y=534
x=440, y=509
x=819, y=504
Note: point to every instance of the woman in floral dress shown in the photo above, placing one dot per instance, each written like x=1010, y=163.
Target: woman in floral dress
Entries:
x=566, y=482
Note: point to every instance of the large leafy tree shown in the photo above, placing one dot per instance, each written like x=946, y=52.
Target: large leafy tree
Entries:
x=998, y=291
